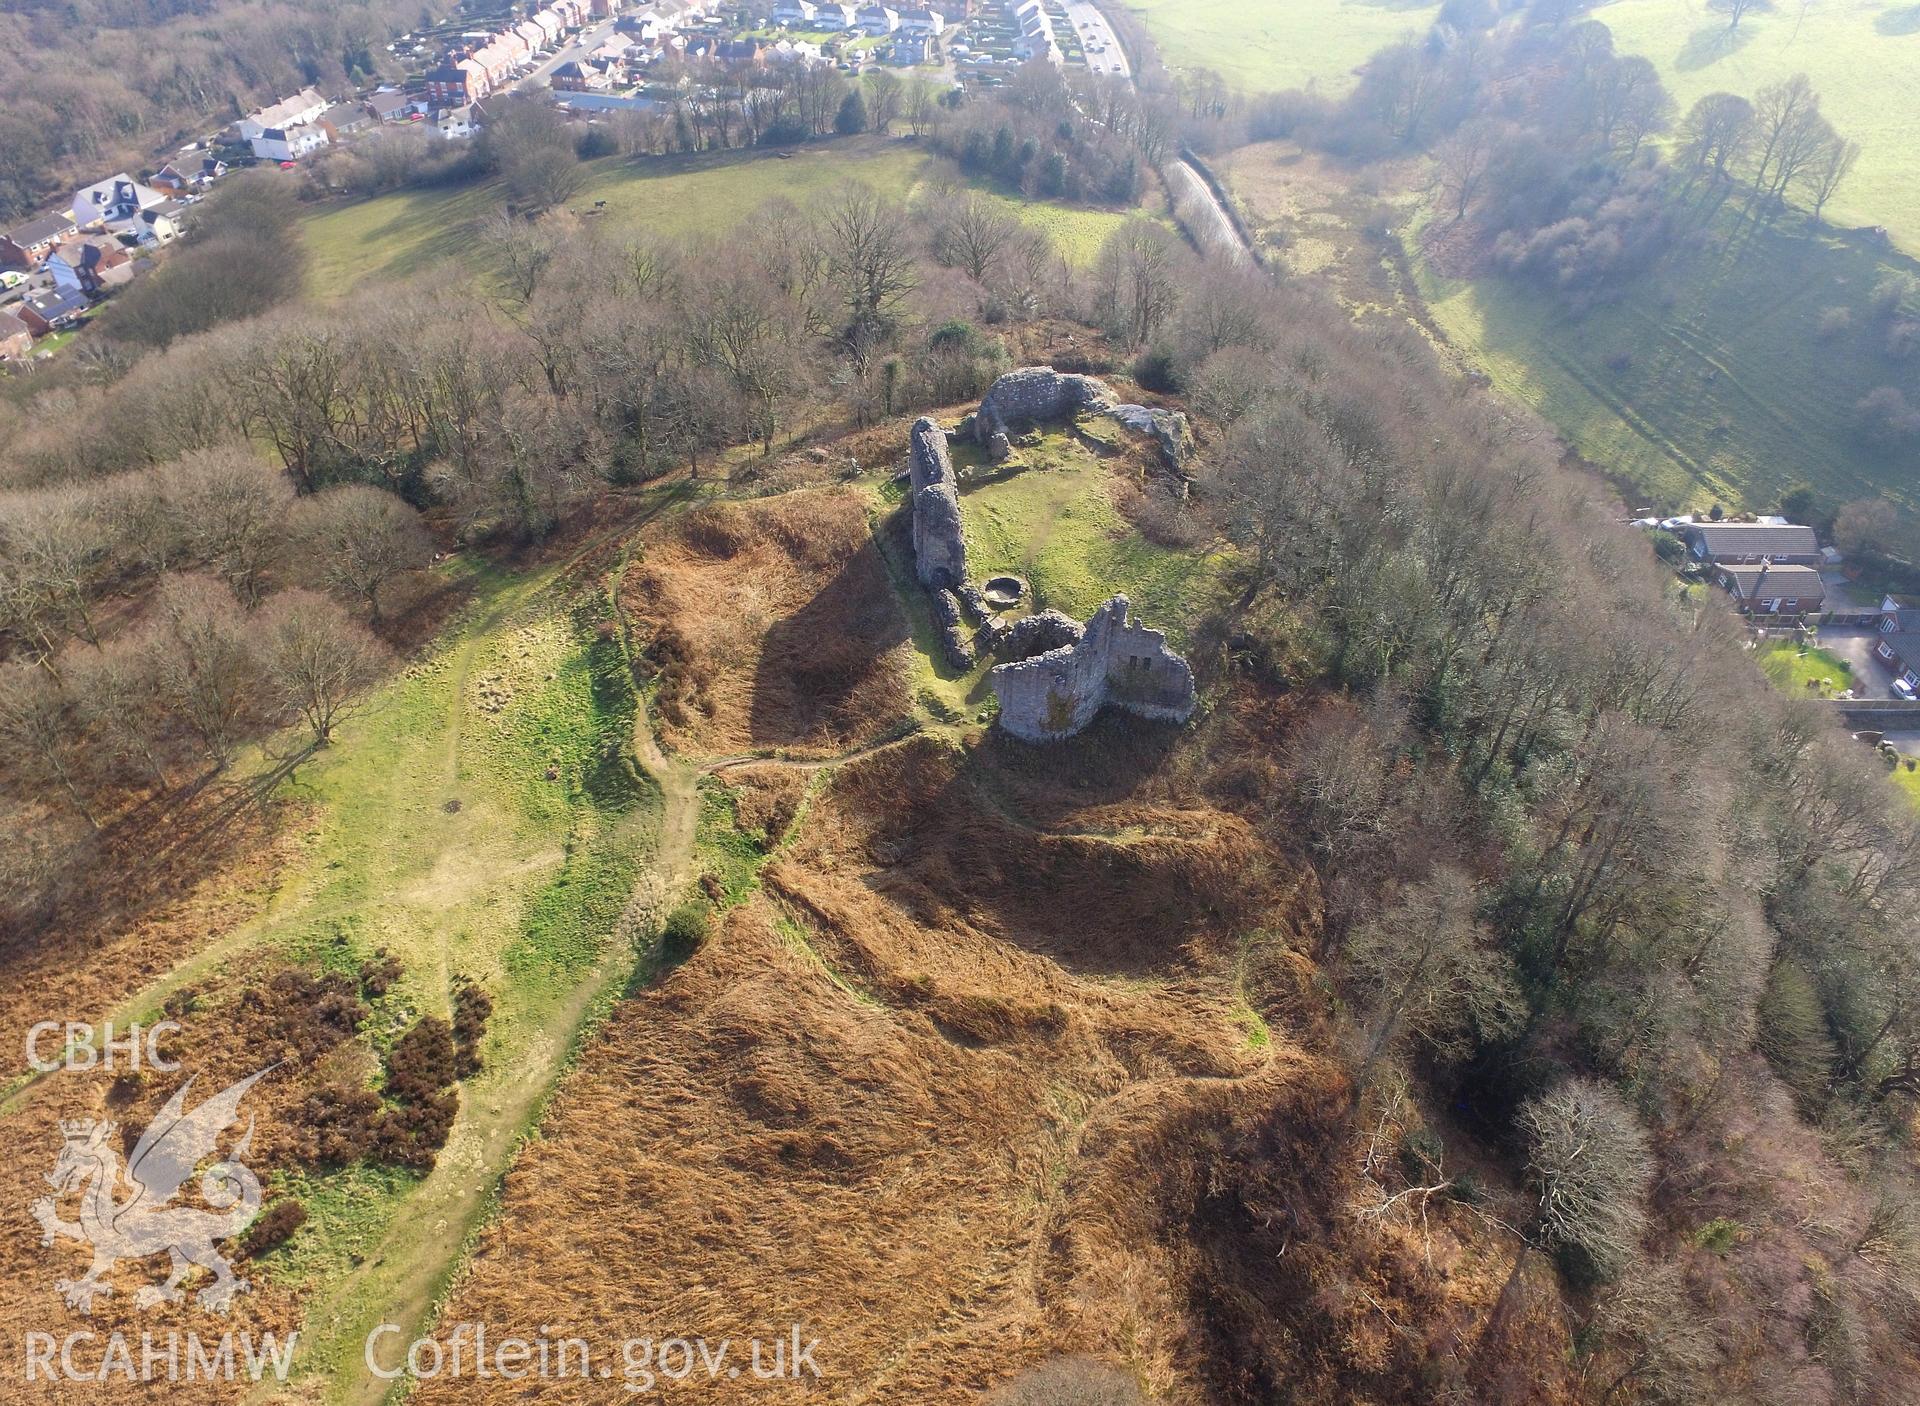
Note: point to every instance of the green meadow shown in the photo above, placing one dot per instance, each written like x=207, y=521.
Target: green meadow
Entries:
x=393, y=235
x=1862, y=55
x=1262, y=47
x=1709, y=380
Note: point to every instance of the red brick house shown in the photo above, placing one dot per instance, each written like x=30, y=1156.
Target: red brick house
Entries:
x=1767, y=589
x=1750, y=543
x=27, y=246
x=1899, y=644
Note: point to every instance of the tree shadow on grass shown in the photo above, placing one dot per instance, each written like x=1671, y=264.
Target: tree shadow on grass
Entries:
x=1905, y=20
x=1710, y=45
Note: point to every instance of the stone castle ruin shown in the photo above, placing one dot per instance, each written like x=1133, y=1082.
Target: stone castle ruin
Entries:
x=1110, y=660
x=939, y=550
x=1059, y=673
x=1036, y=395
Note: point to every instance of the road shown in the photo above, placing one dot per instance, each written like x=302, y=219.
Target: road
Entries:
x=585, y=43
x=1193, y=199
x=1086, y=17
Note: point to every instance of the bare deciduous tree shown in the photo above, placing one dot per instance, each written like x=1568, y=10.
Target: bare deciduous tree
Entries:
x=318, y=661
x=361, y=538
x=1429, y=972
x=971, y=233
x=1590, y=1166
x=36, y=733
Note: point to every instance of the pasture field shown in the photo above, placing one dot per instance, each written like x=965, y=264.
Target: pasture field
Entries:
x=1862, y=55
x=481, y=819
x=1275, y=44
x=353, y=242
x=1710, y=379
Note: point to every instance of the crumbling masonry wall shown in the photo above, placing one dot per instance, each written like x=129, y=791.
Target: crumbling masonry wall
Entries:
x=1115, y=661
x=1036, y=395
x=1030, y=396
x=939, y=549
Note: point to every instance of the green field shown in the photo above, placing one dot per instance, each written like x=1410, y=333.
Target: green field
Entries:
x=1050, y=517
x=401, y=233
x=482, y=817
x=1274, y=44
x=1708, y=381
x=1862, y=55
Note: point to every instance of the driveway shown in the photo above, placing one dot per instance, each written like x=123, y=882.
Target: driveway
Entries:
x=1854, y=643
x=1843, y=594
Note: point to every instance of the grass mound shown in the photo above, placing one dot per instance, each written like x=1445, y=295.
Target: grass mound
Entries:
x=770, y=625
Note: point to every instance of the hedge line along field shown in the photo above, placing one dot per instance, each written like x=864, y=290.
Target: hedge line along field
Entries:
x=1862, y=55
x=352, y=242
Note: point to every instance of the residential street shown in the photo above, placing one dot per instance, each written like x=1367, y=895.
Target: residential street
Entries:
x=585, y=43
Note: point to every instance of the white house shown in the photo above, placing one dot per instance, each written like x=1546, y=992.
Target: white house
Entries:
x=160, y=224
x=114, y=201
x=300, y=110
x=458, y=123
x=289, y=143
x=879, y=19
x=796, y=14
x=930, y=23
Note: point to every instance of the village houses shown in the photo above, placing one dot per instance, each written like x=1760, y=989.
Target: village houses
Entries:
x=287, y=130
x=1899, y=644
x=114, y=203
x=26, y=246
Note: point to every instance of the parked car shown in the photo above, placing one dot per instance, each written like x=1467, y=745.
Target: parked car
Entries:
x=1903, y=689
